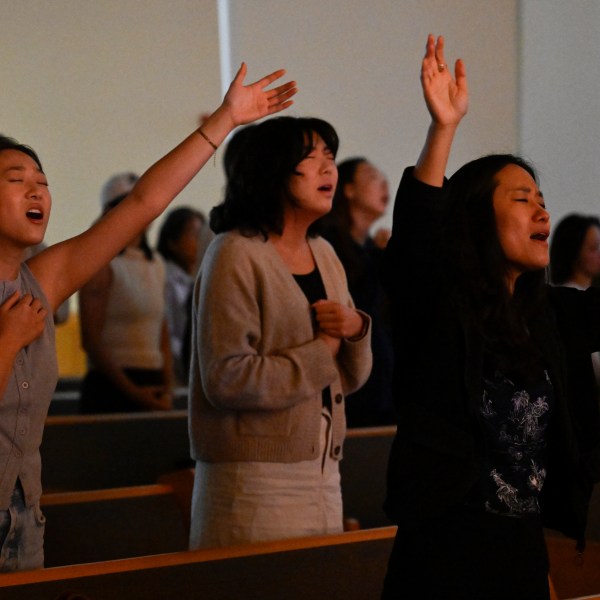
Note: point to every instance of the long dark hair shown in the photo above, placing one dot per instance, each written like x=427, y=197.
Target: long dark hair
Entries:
x=478, y=265
x=566, y=245
x=8, y=143
x=258, y=164
x=337, y=224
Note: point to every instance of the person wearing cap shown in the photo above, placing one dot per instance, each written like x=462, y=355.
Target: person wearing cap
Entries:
x=30, y=291
x=123, y=325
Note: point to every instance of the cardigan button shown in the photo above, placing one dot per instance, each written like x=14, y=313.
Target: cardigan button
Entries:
x=338, y=398
x=337, y=450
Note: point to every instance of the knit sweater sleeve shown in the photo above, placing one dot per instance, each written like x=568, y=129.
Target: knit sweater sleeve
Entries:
x=354, y=359
x=256, y=347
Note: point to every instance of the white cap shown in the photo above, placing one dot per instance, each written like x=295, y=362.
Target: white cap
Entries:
x=118, y=185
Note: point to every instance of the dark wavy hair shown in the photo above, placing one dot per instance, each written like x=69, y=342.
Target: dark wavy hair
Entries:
x=337, y=224
x=172, y=229
x=478, y=265
x=8, y=143
x=346, y=172
x=566, y=245
x=258, y=163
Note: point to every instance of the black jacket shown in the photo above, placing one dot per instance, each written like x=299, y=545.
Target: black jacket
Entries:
x=436, y=455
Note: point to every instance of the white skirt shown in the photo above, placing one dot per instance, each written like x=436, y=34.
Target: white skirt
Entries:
x=242, y=502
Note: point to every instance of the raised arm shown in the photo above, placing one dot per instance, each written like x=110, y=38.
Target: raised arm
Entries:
x=447, y=100
x=65, y=267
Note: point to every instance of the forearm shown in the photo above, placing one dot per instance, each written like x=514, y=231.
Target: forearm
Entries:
x=164, y=180
x=433, y=160
x=267, y=382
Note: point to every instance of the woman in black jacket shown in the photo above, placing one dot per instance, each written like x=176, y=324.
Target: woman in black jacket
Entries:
x=498, y=427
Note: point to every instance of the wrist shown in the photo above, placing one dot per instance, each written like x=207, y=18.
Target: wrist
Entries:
x=223, y=119
x=362, y=329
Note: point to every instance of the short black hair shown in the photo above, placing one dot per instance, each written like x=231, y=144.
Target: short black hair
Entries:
x=258, y=168
x=8, y=143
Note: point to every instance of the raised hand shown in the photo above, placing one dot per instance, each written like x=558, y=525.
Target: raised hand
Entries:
x=447, y=98
x=247, y=103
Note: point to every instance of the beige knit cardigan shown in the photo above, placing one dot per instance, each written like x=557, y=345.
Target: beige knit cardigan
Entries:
x=257, y=370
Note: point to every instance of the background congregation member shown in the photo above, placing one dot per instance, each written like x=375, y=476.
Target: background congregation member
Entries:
x=276, y=344
x=361, y=197
x=575, y=251
x=123, y=325
x=31, y=291
x=501, y=437
x=575, y=259
x=178, y=242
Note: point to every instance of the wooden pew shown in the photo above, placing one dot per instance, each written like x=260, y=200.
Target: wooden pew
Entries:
x=86, y=452
x=573, y=575
x=350, y=566
x=104, y=451
x=593, y=526
x=101, y=525
x=65, y=400
x=363, y=474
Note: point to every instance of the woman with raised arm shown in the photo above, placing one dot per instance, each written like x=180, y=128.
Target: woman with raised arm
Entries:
x=498, y=428
x=32, y=290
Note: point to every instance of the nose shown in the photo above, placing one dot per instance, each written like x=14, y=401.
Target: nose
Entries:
x=327, y=165
x=542, y=214
x=34, y=191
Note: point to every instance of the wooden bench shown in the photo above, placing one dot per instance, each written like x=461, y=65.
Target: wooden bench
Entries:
x=86, y=452
x=104, y=451
x=100, y=525
x=350, y=566
x=65, y=400
x=573, y=575
x=363, y=474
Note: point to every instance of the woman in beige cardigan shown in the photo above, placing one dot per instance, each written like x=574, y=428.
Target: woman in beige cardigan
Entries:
x=276, y=345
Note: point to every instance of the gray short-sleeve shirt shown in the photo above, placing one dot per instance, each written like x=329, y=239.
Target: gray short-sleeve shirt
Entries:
x=24, y=406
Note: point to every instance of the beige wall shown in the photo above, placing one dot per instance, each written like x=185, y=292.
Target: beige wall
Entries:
x=357, y=65
x=560, y=103
x=98, y=86
x=103, y=85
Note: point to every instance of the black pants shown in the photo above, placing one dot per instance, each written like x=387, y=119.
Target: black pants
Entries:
x=99, y=395
x=469, y=555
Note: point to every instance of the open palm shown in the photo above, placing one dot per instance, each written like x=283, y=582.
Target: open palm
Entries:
x=247, y=103
x=447, y=98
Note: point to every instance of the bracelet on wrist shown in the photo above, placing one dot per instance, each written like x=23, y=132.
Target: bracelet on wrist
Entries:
x=214, y=146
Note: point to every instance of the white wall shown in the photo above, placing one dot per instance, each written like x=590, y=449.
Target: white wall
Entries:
x=99, y=86
x=560, y=101
x=357, y=65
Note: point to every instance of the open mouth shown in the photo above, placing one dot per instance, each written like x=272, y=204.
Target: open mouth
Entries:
x=35, y=214
x=540, y=237
x=326, y=188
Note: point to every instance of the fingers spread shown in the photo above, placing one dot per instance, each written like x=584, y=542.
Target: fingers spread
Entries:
x=267, y=79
